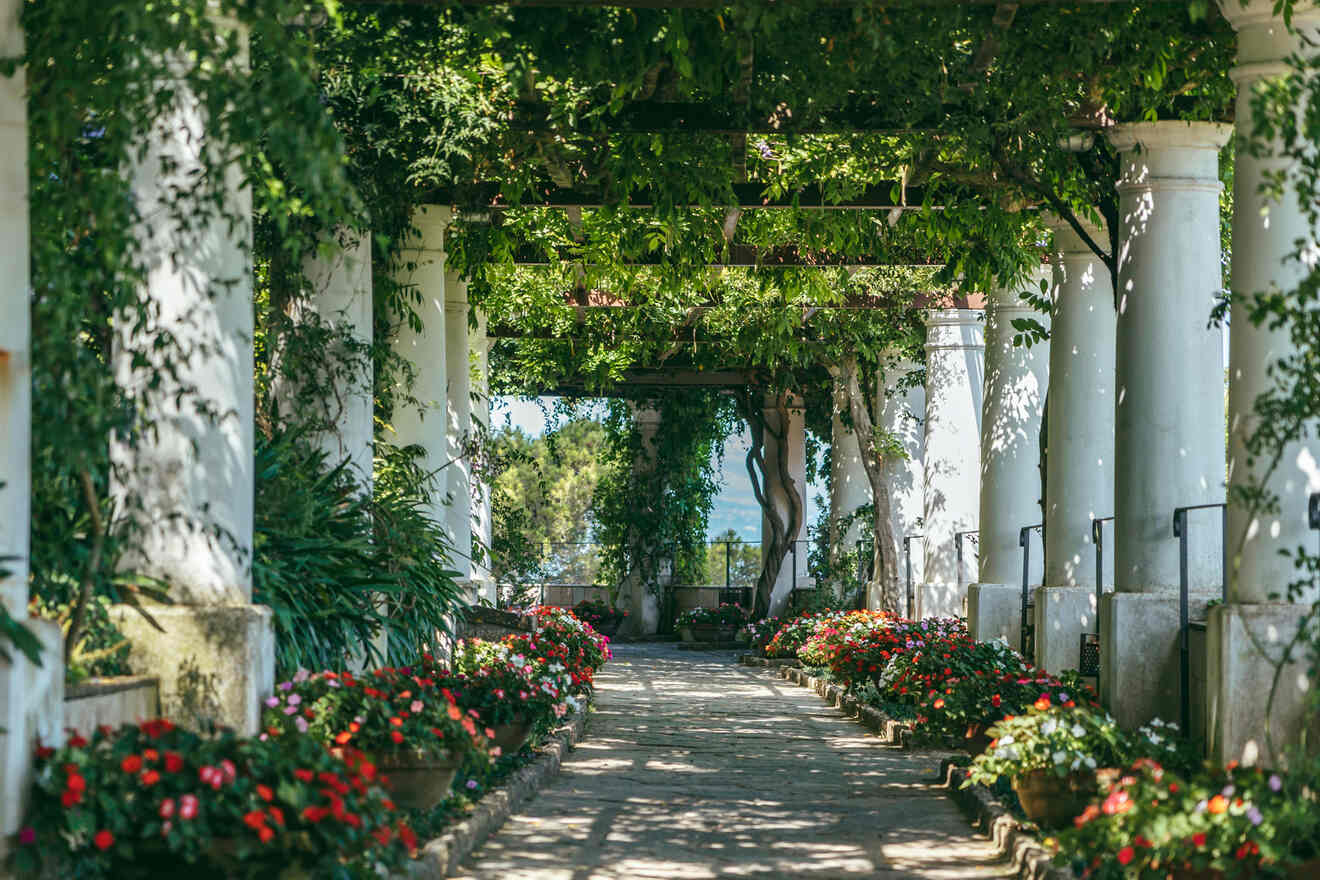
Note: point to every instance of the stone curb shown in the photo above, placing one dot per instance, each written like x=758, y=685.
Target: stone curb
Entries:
x=772, y=662
x=441, y=856
x=1031, y=860
x=711, y=646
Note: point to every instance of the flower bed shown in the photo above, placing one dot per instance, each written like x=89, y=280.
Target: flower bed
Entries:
x=321, y=791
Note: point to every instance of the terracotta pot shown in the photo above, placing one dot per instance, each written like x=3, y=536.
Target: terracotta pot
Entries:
x=420, y=782
x=1053, y=801
x=511, y=736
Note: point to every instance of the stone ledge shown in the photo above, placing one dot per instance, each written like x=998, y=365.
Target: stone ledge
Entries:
x=441, y=856
x=771, y=662
x=102, y=687
x=1030, y=860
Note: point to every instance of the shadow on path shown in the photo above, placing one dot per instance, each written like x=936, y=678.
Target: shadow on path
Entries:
x=694, y=767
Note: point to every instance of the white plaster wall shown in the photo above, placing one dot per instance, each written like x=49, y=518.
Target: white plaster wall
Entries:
x=902, y=414
x=458, y=368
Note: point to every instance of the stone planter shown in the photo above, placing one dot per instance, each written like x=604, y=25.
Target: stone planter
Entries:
x=419, y=782
x=685, y=633
x=609, y=626
x=1053, y=801
x=705, y=632
x=511, y=737
x=113, y=702
x=726, y=633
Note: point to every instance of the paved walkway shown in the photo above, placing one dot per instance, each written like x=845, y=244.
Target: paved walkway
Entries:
x=694, y=767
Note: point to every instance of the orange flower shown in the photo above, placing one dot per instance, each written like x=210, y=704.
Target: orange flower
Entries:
x=343, y=738
x=1218, y=804
x=454, y=712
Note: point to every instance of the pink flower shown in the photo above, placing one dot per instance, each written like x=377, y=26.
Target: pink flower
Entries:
x=188, y=806
x=417, y=706
x=27, y=836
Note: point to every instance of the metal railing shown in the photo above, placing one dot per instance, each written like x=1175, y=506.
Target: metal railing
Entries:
x=1184, y=622
x=911, y=588
x=974, y=535
x=1088, y=648
x=1313, y=513
x=1025, y=631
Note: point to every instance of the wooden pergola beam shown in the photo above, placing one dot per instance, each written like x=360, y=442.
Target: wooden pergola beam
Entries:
x=738, y=255
x=876, y=197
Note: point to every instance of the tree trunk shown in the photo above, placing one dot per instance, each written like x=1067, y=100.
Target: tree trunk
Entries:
x=885, y=567
x=782, y=532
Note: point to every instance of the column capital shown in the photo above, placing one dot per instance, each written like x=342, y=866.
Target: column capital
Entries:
x=431, y=222
x=1260, y=13
x=1066, y=240
x=954, y=328
x=1170, y=155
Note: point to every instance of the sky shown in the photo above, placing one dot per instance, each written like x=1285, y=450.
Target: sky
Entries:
x=735, y=506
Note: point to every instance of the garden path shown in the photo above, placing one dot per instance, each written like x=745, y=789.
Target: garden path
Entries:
x=694, y=767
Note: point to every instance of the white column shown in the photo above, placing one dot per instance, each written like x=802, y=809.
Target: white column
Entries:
x=793, y=445
x=424, y=425
x=458, y=367
x=31, y=696
x=1079, y=472
x=1169, y=418
x=638, y=595
x=902, y=415
x=850, y=488
x=1264, y=233
x=186, y=482
x=951, y=455
x=15, y=305
x=340, y=297
x=481, y=509
x=1016, y=378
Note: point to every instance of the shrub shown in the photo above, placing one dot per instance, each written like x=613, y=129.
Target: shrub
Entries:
x=725, y=615
x=156, y=800
x=792, y=634
x=505, y=681
x=595, y=613
x=1059, y=738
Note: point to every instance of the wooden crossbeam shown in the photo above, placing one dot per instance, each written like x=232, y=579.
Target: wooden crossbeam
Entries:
x=739, y=255
x=878, y=197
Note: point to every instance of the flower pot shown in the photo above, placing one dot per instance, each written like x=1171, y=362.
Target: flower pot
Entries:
x=1052, y=801
x=726, y=633
x=705, y=632
x=511, y=736
x=685, y=633
x=419, y=782
x=609, y=626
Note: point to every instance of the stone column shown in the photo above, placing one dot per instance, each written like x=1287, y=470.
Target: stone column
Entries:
x=643, y=599
x=850, y=488
x=31, y=696
x=1079, y=476
x=902, y=416
x=1169, y=417
x=481, y=510
x=185, y=482
x=1016, y=379
x=425, y=425
x=340, y=297
x=1257, y=613
x=792, y=443
x=951, y=455
x=458, y=368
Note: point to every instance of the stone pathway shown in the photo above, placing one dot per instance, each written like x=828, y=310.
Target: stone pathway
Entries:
x=694, y=767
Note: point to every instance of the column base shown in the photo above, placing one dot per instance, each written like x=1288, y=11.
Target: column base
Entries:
x=216, y=662
x=994, y=611
x=1139, y=656
x=1240, y=680
x=1062, y=614
x=941, y=600
x=31, y=710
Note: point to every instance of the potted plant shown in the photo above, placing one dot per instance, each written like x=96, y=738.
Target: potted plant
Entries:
x=1055, y=756
x=698, y=625
x=601, y=616
x=155, y=800
x=509, y=686
x=729, y=619
x=562, y=636
x=410, y=728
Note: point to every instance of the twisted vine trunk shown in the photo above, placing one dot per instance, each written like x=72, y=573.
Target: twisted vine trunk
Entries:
x=783, y=530
x=885, y=559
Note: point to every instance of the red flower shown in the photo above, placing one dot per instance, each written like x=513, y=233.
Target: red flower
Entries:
x=265, y=834
x=1125, y=855
x=166, y=808
x=254, y=819
x=70, y=797
x=314, y=814
x=264, y=792
x=77, y=742
x=75, y=782
x=150, y=755
x=1199, y=838
x=304, y=775
x=396, y=736
x=188, y=806
x=278, y=815
x=103, y=840
x=150, y=778
x=173, y=762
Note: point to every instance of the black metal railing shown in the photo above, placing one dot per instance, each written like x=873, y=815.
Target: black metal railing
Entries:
x=1026, y=632
x=974, y=536
x=911, y=588
x=1313, y=514
x=1184, y=621
x=1088, y=649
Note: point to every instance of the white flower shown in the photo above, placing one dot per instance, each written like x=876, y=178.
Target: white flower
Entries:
x=1008, y=753
x=1078, y=731
x=1007, y=740
x=1090, y=762
x=1077, y=762
x=1060, y=756
x=1048, y=726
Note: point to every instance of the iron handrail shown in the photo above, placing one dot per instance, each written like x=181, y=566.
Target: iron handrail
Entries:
x=958, y=551
x=1024, y=541
x=1313, y=513
x=1184, y=627
x=911, y=590
x=1098, y=539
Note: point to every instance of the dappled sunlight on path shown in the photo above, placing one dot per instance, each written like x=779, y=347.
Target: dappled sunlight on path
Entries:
x=694, y=767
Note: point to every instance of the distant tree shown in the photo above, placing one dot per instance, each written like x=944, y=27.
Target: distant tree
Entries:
x=744, y=560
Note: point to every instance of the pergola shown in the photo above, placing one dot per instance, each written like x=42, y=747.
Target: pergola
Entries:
x=1132, y=374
